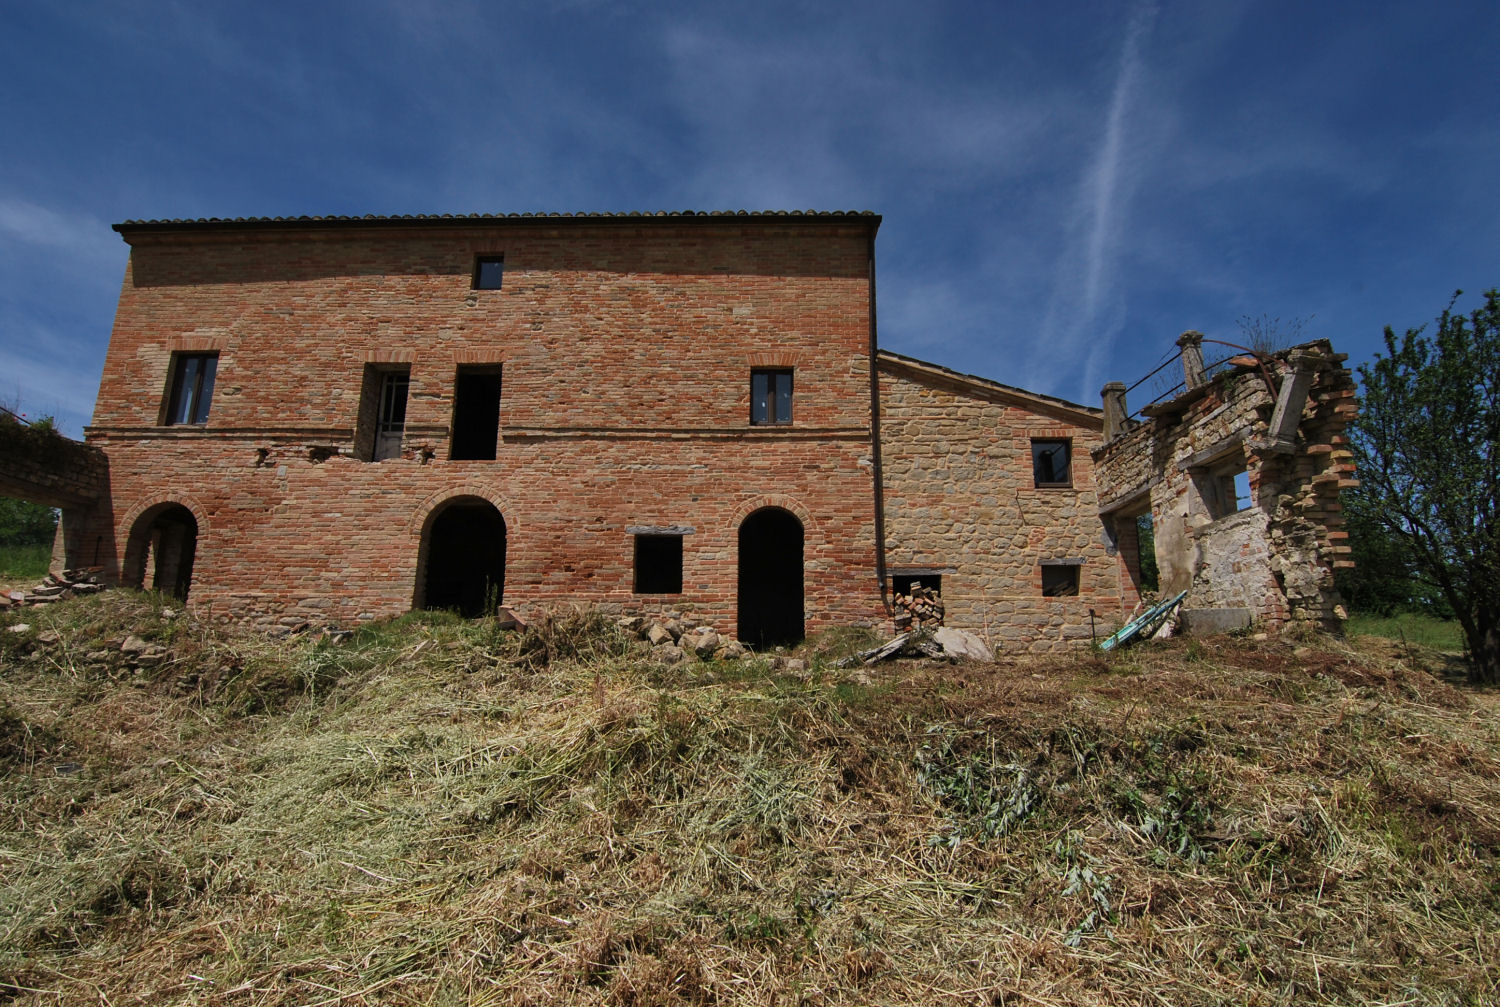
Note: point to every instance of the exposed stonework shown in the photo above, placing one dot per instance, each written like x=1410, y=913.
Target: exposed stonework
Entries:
x=1281, y=422
x=961, y=502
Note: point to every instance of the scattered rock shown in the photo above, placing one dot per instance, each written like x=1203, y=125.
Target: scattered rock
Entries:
x=631, y=624
x=701, y=641
x=730, y=650
x=169, y=613
x=134, y=645
x=20, y=627
x=961, y=645
x=48, y=638
x=658, y=635
x=669, y=654
x=675, y=627
x=791, y=665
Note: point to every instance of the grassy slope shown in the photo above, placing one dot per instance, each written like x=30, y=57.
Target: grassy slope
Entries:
x=432, y=813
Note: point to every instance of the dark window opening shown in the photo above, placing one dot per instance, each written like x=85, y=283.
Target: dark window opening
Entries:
x=382, y=413
x=476, y=413
x=1059, y=581
x=770, y=397
x=658, y=564
x=1052, y=463
x=770, y=579
x=192, y=388
x=903, y=583
x=465, y=561
x=489, y=271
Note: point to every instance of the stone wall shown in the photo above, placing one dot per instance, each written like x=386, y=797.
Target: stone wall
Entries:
x=625, y=348
x=961, y=502
x=1272, y=554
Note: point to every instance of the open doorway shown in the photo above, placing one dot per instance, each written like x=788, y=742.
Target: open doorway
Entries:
x=770, y=580
x=463, y=558
x=160, y=551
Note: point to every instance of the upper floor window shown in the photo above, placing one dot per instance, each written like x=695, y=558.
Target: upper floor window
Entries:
x=382, y=412
x=1052, y=462
x=476, y=412
x=771, y=396
x=192, y=387
x=489, y=271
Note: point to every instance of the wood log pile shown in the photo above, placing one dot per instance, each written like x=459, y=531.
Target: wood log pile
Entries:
x=922, y=607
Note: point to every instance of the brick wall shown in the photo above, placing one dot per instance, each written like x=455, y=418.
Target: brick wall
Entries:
x=960, y=500
x=625, y=348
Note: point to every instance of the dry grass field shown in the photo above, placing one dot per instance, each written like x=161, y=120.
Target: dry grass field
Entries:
x=434, y=812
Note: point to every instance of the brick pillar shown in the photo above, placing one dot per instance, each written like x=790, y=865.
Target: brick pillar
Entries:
x=1191, y=343
x=1114, y=409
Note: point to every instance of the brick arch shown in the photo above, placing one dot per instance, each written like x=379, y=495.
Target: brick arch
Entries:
x=425, y=510
x=199, y=512
x=132, y=563
x=781, y=500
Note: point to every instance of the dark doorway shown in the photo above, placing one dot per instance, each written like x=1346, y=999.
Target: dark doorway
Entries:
x=159, y=555
x=465, y=568
x=770, y=597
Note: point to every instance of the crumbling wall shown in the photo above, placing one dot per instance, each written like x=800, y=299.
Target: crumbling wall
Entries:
x=1279, y=425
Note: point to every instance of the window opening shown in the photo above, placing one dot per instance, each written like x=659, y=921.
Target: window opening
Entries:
x=658, y=564
x=1145, y=545
x=1059, y=581
x=489, y=271
x=192, y=388
x=903, y=583
x=770, y=397
x=476, y=413
x=1052, y=463
x=390, y=421
x=1225, y=488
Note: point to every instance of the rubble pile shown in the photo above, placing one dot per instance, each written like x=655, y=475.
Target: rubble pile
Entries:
x=674, y=640
x=54, y=588
x=922, y=607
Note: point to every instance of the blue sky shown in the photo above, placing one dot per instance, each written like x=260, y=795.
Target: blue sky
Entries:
x=1065, y=187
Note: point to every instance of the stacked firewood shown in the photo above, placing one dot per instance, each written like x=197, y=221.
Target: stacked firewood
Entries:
x=922, y=607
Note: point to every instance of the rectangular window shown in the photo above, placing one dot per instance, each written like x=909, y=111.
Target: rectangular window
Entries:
x=192, y=388
x=1224, y=487
x=489, y=271
x=658, y=564
x=771, y=397
x=476, y=413
x=1060, y=580
x=1052, y=462
x=382, y=413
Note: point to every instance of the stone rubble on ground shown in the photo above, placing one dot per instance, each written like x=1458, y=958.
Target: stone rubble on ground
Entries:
x=54, y=587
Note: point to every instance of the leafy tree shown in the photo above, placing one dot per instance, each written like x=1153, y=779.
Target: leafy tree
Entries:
x=23, y=523
x=1425, y=443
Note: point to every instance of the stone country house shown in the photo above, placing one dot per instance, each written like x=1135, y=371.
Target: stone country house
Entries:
x=344, y=418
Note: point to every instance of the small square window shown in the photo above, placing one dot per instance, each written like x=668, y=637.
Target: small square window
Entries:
x=192, y=389
x=489, y=271
x=902, y=583
x=658, y=564
x=1059, y=581
x=770, y=397
x=1052, y=463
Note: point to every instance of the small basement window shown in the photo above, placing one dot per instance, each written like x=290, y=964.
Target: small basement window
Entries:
x=770, y=397
x=192, y=389
x=1060, y=578
x=489, y=272
x=476, y=413
x=1052, y=463
x=658, y=564
x=902, y=583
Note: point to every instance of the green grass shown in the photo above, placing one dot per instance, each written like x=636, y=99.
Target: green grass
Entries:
x=1413, y=627
x=24, y=562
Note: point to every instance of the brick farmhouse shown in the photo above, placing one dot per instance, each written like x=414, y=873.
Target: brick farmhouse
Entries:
x=340, y=419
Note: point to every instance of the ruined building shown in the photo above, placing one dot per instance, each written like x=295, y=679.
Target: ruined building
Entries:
x=339, y=419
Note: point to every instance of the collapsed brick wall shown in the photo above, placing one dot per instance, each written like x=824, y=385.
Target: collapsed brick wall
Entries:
x=961, y=501
x=625, y=352
x=1276, y=556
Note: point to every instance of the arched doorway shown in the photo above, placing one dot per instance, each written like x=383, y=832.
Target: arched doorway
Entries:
x=463, y=558
x=770, y=589
x=160, y=551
